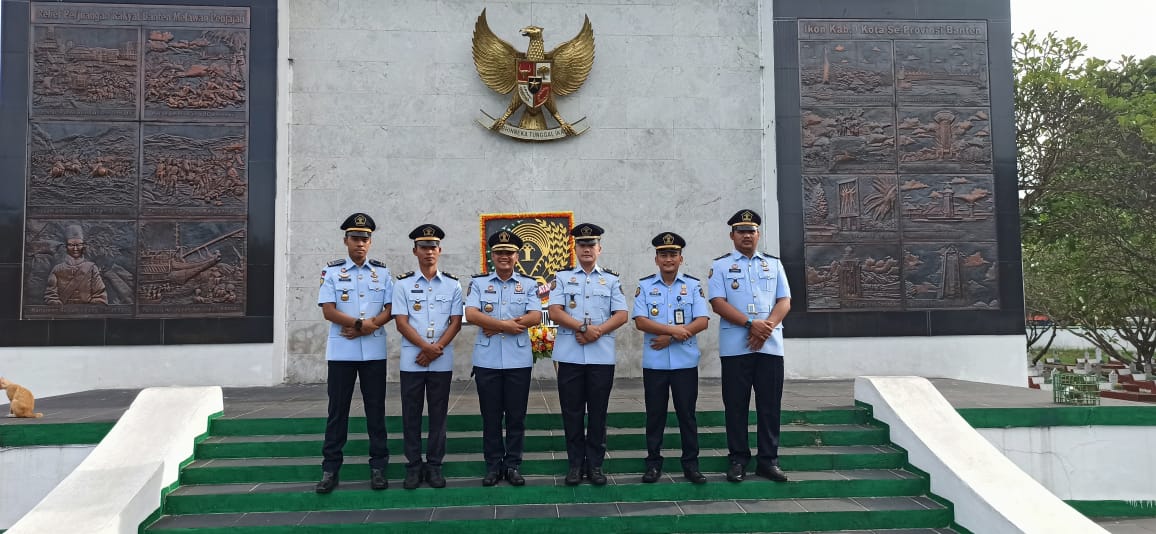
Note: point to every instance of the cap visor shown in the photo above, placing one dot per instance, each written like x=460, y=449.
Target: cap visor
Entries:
x=357, y=233
x=430, y=244
x=507, y=248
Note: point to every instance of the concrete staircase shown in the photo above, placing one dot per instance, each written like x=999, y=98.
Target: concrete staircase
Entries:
x=257, y=475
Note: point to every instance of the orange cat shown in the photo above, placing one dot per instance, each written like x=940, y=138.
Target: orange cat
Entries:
x=22, y=402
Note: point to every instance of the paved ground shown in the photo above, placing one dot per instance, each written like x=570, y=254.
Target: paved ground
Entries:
x=310, y=401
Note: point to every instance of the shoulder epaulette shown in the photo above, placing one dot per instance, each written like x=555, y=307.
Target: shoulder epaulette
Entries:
x=615, y=273
x=769, y=255
x=335, y=263
x=480, y=275
x=403, y=276
x=691, y=277
x=647, y=277
x=448, y=275
x=721, y=257
x=377, y=263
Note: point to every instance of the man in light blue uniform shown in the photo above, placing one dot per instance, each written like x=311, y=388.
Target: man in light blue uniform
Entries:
x=354, y=298
x=428, y=304
x=749, y=292
x=671, y=309
x=587, y=304
x=503, y=304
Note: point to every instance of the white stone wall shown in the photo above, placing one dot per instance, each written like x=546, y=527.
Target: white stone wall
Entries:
x=382, y=102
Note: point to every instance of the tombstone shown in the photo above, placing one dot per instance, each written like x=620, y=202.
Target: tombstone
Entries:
x=1113, y=379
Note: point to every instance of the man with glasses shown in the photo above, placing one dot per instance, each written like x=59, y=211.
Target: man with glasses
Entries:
x=588, y=305
x=503, y=304
x=749, y=292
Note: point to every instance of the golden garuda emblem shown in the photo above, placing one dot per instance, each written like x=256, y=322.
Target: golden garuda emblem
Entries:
x=534, y=77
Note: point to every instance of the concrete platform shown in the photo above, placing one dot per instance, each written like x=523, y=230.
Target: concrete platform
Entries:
x=310, y=401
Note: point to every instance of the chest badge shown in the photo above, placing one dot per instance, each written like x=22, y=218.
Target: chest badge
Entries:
x=735, y=284
x=518, y=287
x=417, y=306
x=602, y=281
x=683, y=290
x=345, y=296
x=488, y=307
x=654, y=310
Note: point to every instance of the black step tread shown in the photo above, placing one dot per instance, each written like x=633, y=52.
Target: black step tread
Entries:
x=658, y=508
x=670, y=431
x=537, y=480
x=557, y=455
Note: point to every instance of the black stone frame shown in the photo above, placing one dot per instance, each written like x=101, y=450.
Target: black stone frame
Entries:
x=1008, y=320
x=256, y=326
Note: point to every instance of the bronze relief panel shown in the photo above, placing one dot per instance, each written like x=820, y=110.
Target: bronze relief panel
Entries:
x=83, y=169
x=941, y=72
x=948, y=207
x=79, y=268
x=191, y=268
x=846, y=72
x=861, y=276
x=849, y=208
x=195, y=74
x=942, y=139
x=848, y=139
x=951, y=275
x=84, y=72
x=194, y=170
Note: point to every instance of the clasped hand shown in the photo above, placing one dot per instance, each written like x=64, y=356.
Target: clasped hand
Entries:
x=508, y=326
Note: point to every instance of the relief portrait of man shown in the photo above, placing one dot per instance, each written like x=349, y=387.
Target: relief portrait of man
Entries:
x=76, y=280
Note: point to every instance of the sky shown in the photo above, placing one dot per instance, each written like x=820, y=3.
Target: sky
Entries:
x=1110, y=28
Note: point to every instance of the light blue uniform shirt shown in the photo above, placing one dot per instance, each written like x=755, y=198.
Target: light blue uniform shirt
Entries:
x=427, y=305
x=503, y=300
x=752, y=286
x=594, y=296
x=360, y=292
x=683, y=300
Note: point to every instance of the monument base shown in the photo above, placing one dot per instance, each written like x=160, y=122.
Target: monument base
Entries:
x=990, y=359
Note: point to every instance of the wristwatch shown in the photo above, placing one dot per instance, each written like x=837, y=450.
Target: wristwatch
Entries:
x=357, y=324
x=748, y=324
x=582, y=329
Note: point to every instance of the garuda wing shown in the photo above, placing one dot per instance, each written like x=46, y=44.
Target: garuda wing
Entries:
x=572, y=61
x=495, y=59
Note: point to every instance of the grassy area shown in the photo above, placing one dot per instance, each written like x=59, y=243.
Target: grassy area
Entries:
x=1068, y=356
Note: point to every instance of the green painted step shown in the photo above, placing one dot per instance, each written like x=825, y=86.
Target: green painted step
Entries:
x=305, y=469
x=54, y=434
x=710, y=439
x=748, y=522
x=476, y=496
x=465, y=423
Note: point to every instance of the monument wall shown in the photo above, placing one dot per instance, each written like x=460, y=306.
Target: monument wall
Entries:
x=694, y=111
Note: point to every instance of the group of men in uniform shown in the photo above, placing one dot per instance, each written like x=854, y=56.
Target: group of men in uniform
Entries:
x=747, y=289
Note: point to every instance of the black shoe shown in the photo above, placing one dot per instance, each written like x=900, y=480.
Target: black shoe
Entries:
x=515, y=478
x=573, y=476
x=327, y=483
x=737, y=473
x=492, y=477
x=412, y=478
x=651, y=475
x=597, y=477
x=695, y=476
x=377, y=479
x=773, y=472
x=433, y=475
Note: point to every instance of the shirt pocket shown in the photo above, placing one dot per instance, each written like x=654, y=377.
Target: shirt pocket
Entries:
x=490, y=306
x=417, y=302
x=443, y=303
x=599, y=305
x=516, y=307
x=767, y=280
x=377, y=292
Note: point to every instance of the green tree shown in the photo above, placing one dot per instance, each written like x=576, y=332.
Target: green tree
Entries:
x=1087, y=158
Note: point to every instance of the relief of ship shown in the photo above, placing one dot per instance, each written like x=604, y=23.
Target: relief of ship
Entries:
x=175, y=265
